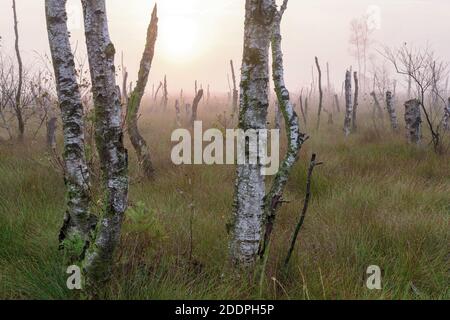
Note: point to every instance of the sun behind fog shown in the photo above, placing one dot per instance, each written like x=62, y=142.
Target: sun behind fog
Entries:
x=178, y=36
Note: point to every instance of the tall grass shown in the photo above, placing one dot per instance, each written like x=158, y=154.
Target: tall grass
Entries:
x=376, y=201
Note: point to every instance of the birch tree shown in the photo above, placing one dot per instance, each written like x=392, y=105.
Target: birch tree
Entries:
x=254, y=102
x=446, y=119
x=109, y=138
x=413, y=120
x=77, y=220
x=135, y=99
x=391, y=110
x=274, y=199
x=348, y=103
x=319, y=71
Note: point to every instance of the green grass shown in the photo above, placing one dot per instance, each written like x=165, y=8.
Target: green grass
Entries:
x=376, y=201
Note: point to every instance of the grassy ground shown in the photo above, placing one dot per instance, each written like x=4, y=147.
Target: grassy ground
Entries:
x=376, y=201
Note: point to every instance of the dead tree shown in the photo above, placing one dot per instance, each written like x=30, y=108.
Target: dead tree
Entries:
x=250, y=185
x=336, y=102
x=355, y=101
x=109, y=140
x=446, y=118
x=235, y=90
x=391, y=110
x=302, y=110
x=134, y=103
x=320, y=93
x=313, y=163
x=274, y=199
x=18, y=103
x=378, y=111
x=157, y=90
x=178, y=113
x=422, y=68
x=413, y=120
x=77, y=220
x=348, y=104
x=195, y=103
x=165, y=94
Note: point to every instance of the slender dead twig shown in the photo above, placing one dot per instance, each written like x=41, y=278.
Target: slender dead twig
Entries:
x=312, y=165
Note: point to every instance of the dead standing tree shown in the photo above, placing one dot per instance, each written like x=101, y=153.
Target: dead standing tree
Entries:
x=18, y=103
x=320, y=93
x=390, y=106
x=274, y=199
x=446, y=118
x=254, y=102
x=134, y=102
x=348, y=104
x=109, y=140
x=413, y=120
x=235, y=90
x=355, y=101
x=78, y=220
x=421, y=66
x=195, y=103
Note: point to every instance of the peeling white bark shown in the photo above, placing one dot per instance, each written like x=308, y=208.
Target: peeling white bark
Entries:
x=77, y=218
x=254, y=102
x=413, y=120
x=446, y=119
x=391, y=110
x=109, y=138
x=295, y=138
x=348, y=104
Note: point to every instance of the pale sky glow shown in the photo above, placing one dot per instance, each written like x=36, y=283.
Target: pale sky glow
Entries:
x=198, y=38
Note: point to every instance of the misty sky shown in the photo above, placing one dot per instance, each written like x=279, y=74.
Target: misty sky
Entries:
x=197, y=37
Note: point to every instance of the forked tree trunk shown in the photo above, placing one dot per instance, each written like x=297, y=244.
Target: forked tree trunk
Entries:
x=195, y=103
x=348, y=104
x=138, y=142
x=446, y=119
x=355, y=101
x=320, y=93
x=77, y=220
x=295, y=138
x=413, y=120
x=254, y=103
x=166, y=93
x=391, y=110
x=109, y=140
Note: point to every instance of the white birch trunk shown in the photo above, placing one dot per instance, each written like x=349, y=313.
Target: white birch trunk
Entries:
x=295, y=138
x=109, y=138
x=348, y=104
x=254, y=102
x=413, y=120
x=77, y=221
x=446, y=119
x=391, y=110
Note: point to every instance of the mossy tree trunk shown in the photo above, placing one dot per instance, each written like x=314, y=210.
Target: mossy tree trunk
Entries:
x=254, y=103
x=109, y=140
x=295, y=138
x=134, y=102
x=77, y=220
